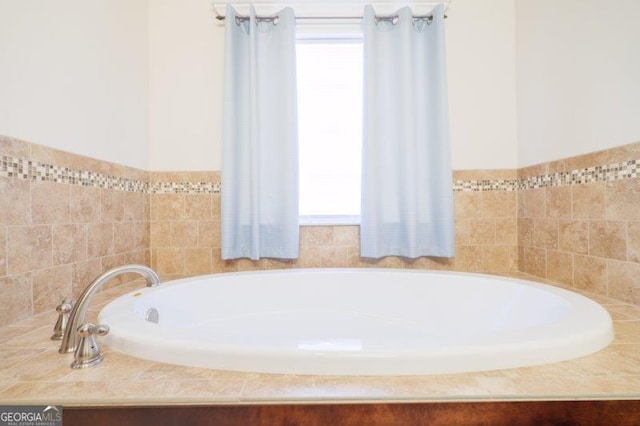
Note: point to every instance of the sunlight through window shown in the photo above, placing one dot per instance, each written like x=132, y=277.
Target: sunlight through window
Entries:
x=330, y=130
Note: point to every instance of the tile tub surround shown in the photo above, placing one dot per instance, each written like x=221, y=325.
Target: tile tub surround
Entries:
x=579, y=222
x=185, y=229
x=64, y=219
x=32, y=372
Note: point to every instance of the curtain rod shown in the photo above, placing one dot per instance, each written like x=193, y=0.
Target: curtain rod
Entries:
x=378, y=18
x=336, y=10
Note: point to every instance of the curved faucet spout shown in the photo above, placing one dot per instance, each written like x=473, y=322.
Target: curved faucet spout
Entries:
x=79, y=312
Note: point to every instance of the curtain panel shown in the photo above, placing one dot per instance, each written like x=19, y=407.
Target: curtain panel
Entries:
x=259, y=199
x=407, y=198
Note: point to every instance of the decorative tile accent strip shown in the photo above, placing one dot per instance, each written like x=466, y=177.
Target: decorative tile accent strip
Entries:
x=184, y=188
x=31, y=170
x=606, y=173
x=35, y=171
x=25, y=169
x=485, y=185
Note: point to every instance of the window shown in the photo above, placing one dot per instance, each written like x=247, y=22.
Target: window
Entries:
x=329, y=74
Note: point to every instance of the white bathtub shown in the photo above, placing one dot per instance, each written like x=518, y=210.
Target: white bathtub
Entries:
x=356, y=322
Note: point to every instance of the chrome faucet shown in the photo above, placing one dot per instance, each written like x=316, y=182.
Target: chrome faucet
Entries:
x=79, y=312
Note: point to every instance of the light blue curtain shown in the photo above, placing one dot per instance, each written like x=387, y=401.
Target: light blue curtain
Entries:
x=259, y=199
x=407, y=198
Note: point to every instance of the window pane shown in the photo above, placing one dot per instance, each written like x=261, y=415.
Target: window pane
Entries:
x=330, y=126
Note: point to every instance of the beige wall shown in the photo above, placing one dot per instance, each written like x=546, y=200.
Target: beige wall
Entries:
x=186, y=50
x=186, y=73
x=74, y=76
x=529, y=80
x=577, y=85
x=481, y=77
x=138, y=78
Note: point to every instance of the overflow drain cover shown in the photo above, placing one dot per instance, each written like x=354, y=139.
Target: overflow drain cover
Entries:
x=152, y=315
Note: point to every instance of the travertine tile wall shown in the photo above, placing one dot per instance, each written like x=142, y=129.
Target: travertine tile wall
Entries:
x=64, y=219
x=185, y=224
x=486, y=220
x=579, y=222
x=185, y=230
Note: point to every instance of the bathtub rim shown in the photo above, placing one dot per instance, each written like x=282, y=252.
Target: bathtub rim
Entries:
x=579, y=345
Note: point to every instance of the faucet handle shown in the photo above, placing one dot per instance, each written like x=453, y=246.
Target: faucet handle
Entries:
x=100, y=330
x=64, y=311
x=90, y=329
x=87, y=352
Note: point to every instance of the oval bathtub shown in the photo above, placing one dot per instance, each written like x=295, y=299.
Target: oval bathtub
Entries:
x=355, y=322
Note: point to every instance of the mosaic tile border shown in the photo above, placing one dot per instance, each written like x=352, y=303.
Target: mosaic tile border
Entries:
x=607, y=173
x=184, y=188
x=485, y=185
x=35, y=171
x=41, y=172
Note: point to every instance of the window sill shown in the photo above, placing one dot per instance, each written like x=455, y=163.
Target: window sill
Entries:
x=329, y=220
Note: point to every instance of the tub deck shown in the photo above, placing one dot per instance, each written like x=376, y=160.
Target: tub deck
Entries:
x=32, y=372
